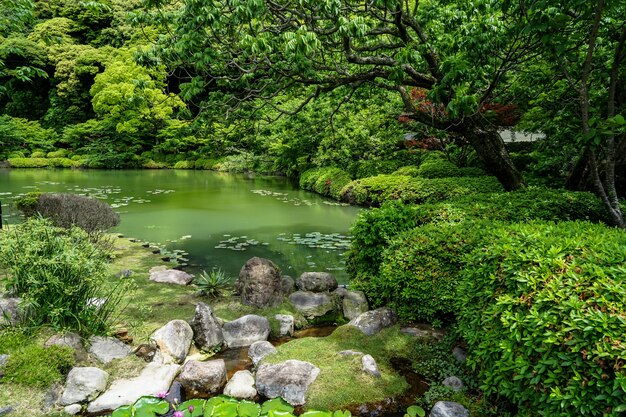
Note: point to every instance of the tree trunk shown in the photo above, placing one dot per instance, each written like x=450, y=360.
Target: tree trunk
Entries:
x=491, y=150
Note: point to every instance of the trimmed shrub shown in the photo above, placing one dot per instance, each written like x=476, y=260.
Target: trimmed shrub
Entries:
x=185, y=165
x=441, y=168
x=29, y=162
x=374, y=191
x=61, y=153
x=542, y=309
x=150, y=164
x=58, y=273
x=37, y=366
x=63, y=163
x=419, y=270
x=374, y=229
x=370, y=168
x=38, y=154
x=410, y=171
x=205, y=163
x=328, y=181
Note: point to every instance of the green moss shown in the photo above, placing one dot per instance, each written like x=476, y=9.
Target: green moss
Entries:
x=341, y=381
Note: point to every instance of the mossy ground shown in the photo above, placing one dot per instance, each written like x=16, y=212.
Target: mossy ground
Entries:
x=341, y=381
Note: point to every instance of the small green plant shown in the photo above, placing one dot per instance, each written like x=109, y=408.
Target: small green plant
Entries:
x=415, y=411
x=212, y=284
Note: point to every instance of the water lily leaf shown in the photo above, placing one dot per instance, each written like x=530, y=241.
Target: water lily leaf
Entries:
x=248, y=409
x=198, y=408
x=150, y=407
x=340, y=413
x=276, y=405
x=415, y=411
x=125, y=411
x=316, y=413
x=225, y=409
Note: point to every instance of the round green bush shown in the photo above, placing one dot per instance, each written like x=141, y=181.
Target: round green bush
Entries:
x=61, y=153
x=328, y=181
x=438, y=168
x=411, y=171
x=38, y=154
x=543, y=310
x=185, y=165
x=419, y=270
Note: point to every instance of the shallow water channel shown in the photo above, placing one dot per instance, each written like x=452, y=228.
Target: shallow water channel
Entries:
x=207, y=219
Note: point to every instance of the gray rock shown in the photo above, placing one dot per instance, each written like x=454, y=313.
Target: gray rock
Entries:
x=125, y=273
x=459, y=354
x=241, y=386
x=3, y=360
x=4, y=410
x=259, y=283
x=350, y=352
x=201, y=379
x=370, y=366
x=424, y=331
x=52, y=397
x=154, y=378
x=173, y=340
x=71, y=340
x=312, y=305
x=246, y=330
x=287, y=284
x=207, y=329
x=341, y=292
x=10, y=312
x=286, y=324
x=73, y=409
x=175, y=393
x=106, y=349
x=171, y=276
x=372, y=322
x=290, y=379
x=448, y=409
x=84, y=384
x=354, y=304
x=316, y=282
x=454, y=383
x=259, y=350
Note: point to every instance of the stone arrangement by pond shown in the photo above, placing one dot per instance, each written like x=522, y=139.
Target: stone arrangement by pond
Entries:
x=171, y=369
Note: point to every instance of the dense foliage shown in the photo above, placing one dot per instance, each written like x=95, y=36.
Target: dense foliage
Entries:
x=60, y=275
x=542, y=308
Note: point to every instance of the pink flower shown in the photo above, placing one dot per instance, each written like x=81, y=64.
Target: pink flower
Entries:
x=190, y=408
x=178, y=414
x=162, y=394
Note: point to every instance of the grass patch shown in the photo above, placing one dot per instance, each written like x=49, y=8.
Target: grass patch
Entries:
x=341, y=381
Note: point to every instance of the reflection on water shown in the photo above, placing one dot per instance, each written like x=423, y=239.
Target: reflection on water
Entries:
x=210, y=220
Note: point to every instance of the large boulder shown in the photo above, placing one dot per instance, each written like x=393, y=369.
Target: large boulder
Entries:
x=372, y=322
x=313, y=305
x=259, y=350
x=286, y=324
x=171, y=276
x=288, y=284
x=173, y=340
x=448, y=409
x=206, y=328
x=241, y=386
x=106, y=349
x=316, y=282
x=246, y=330
x=202, y=379
x=84, y=384
x=260, y=283
x=290, y=380
x=10, y=313
x=354, y=304
x=154, y=379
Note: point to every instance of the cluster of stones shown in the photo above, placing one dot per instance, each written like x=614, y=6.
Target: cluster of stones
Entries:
x=315, y=295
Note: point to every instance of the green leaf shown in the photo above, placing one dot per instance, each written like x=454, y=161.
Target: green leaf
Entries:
x=248, y=409
x=150, y=407
x=416, y=411
x=276, y=405
x=198, y=408
x=125, y=411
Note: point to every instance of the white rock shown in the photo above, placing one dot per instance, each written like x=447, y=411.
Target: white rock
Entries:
x=84, y=384
x=246, y=330
x=290, y=379
x=73, y=409
x=259, y=350
x=454, y=383
x=241, y=386
x=154, y=378
x=105, y=349
x=286, y=324
x=171, y=276
x=448, y=409
x=370, y=366
x=173, y=340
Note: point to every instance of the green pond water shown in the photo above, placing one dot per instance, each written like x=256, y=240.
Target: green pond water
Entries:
x=208, y=220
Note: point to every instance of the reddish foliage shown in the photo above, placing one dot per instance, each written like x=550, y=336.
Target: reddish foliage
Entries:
x=504, y=114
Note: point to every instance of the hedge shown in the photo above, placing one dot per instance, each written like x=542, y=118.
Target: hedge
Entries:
x=43, y=162
x=543, y=311
x=376, y=190
x=328, y=181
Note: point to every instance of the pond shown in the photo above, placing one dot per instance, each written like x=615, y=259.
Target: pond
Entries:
x=207, y=219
